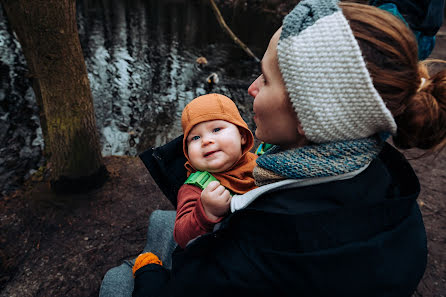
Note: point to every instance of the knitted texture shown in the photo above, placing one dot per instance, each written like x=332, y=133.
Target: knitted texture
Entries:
x=145, y=259
x=264, y=176
x=211, y=107
x=326, y=77
x=238, y=178
x=306, y=15
x=320, y=160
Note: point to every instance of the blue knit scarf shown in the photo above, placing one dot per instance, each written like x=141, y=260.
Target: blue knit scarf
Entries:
x=319, y=160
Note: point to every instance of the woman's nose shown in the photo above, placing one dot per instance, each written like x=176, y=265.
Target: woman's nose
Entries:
x=253, y=89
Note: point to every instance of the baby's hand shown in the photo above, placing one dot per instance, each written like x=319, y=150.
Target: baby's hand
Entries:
x=216, y=200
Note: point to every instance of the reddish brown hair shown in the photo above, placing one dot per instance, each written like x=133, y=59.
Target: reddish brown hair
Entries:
x=390, y=51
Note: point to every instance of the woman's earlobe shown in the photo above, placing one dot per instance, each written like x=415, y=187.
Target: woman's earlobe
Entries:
x=300, y=129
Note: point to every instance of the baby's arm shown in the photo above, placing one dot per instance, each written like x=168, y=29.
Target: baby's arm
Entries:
x=191, y=220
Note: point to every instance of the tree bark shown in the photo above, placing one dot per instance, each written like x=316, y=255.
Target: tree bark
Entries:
x=47, y=32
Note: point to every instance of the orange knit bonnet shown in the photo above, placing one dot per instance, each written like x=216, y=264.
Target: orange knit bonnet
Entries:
x=212, y=107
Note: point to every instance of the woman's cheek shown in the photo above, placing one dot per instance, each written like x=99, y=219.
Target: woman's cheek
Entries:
x=255, y=106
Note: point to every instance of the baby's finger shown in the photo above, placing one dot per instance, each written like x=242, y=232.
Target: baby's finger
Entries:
x=212, y=186
x=220, y=190
x=226, y=196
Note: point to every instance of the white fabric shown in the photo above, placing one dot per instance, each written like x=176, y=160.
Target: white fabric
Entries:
x=329, y=85
x=241, y=201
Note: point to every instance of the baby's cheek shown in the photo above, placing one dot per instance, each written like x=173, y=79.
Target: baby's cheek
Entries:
x=193, y=152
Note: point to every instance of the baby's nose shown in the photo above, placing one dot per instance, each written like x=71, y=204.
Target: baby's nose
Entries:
x=207, y=140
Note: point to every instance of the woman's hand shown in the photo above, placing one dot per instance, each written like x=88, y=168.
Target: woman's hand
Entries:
x=215, y=200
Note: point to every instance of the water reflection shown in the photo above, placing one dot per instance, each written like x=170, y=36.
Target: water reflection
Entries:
x=140, y=57
x=20, y=135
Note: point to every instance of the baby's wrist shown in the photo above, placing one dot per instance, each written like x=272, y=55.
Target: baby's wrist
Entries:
x=210, y=215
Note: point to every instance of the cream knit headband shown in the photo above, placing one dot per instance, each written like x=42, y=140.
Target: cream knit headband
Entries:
x=326, y=77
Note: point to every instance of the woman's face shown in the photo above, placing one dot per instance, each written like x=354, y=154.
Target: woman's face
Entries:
x=275, y=118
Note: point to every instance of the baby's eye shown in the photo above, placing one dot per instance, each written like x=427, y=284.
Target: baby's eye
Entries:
x=196, y=137
x=216, y=129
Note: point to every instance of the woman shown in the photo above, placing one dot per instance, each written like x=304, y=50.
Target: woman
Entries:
x=336, y=211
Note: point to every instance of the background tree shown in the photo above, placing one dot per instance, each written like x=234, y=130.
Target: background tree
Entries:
x=47, y=32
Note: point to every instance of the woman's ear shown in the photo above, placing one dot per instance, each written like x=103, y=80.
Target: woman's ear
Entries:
x=300, y=129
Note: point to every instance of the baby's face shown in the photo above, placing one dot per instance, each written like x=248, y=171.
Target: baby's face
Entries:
x=214, y=146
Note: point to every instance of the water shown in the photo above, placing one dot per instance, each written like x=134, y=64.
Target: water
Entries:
x=141, y=63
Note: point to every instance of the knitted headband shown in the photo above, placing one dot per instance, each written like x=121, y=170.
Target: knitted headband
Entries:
x=326, y=77
x=213, y=107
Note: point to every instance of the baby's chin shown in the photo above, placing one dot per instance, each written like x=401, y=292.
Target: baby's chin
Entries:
x=217, y=169
x=210, y=170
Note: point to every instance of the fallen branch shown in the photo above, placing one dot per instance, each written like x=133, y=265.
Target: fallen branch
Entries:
x=225, y=27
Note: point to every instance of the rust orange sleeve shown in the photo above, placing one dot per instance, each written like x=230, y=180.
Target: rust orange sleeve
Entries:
x=191, y=220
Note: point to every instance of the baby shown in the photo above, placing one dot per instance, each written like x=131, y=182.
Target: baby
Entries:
x=216, y=140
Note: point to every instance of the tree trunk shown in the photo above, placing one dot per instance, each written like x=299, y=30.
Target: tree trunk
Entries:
x=47, y=32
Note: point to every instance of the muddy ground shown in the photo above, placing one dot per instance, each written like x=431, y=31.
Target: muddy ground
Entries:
x=62, y=245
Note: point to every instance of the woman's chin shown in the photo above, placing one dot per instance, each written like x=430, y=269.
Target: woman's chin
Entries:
x=258, y=134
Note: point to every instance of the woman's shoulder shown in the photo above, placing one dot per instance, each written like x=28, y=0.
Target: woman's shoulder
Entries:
x=395, y=161
x=389, y=176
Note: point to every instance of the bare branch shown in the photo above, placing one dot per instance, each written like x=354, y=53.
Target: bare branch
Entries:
x=225, y=27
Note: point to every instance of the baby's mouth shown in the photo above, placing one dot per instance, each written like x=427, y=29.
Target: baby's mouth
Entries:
x=209, y=153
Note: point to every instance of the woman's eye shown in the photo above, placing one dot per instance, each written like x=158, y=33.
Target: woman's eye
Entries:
x=196, y=137
x=262, y=77
x=216, y=129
